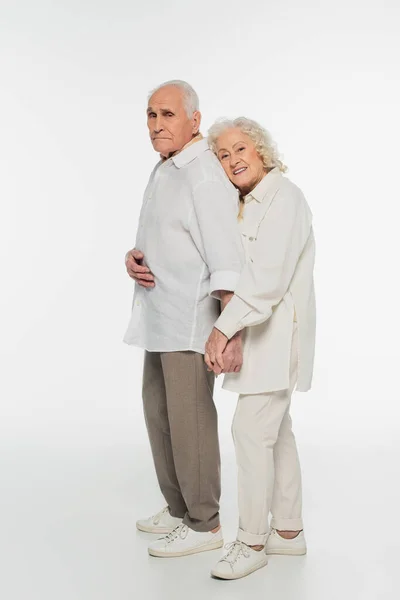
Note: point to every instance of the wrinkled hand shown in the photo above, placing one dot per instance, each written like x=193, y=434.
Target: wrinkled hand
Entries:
x=233, y=355
x=215, y=346
x=137, y=270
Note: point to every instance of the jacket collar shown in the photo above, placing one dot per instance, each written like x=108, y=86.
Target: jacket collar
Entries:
x=268, y=184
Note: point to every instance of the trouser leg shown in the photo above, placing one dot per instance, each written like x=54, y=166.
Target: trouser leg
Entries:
x=286, y=507
x=194, y=435
x=255, y=430
x=156, y=416
x=268, y=465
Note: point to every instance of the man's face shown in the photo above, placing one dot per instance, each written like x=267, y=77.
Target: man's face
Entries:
x=169, y=126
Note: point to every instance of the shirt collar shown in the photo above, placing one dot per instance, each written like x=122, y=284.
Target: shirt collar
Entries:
x=262, y=188
x=189, y=152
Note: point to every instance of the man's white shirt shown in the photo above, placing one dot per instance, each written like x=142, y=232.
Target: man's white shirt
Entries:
x=190, y=239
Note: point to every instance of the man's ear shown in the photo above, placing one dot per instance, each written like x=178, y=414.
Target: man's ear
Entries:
x=196, y=119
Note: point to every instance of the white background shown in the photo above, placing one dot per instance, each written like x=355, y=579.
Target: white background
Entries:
x=75, y=466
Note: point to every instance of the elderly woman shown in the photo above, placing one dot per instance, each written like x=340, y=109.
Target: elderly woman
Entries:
x=272, y=313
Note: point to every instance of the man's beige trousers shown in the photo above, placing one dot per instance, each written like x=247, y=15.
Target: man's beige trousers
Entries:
x=181, y=420
x=269, y=477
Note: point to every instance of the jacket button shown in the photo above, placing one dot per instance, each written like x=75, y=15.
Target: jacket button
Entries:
x=251, y=239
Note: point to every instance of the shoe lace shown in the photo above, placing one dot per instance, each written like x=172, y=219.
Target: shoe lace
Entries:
x=157, y=518
x=180, y=531
x=236, y=550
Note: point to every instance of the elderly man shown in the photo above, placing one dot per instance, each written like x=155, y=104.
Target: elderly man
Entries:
x=187, y=259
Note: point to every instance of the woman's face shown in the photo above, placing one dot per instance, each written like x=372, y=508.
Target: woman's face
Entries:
x=240, y=160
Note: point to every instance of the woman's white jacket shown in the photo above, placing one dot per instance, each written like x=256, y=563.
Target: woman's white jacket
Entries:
x=275, y=288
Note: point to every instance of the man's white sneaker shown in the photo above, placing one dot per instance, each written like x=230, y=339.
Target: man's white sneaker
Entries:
x=239, y=561
x=276, y=544
x=160, y=523
x=183, y=541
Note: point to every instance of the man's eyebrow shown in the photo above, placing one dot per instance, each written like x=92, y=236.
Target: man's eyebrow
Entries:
x=162, y=110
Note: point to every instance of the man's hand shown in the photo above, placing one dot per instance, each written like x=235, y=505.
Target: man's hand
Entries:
x=233, y=355
x=215, y=346
x=137, y=270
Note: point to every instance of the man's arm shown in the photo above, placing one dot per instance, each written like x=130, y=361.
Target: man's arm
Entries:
x=223, y=355
x=225, y=297
x=134, y=259
x=232, y=356
x=215, y=219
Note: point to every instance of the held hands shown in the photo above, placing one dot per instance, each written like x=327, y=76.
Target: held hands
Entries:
x=136, y=268
x=233, y=355
x=222, y=355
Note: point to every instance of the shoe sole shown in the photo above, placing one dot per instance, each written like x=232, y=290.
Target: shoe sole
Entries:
x=160, y=530
x=287, y=551
x=215, y=573
x=205, y=548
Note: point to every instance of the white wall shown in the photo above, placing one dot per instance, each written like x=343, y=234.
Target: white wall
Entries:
x=322, y=76
x=74, y=160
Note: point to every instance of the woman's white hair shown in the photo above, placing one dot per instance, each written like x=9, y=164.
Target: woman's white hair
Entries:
x=190, y=98
x=261, y=138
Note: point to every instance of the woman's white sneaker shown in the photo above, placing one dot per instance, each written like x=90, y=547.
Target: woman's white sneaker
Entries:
x=239, y=561
x=160, y=523
x=276, y=544
x=183, y=541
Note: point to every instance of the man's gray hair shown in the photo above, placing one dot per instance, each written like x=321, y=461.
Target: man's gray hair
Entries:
x=190, y=98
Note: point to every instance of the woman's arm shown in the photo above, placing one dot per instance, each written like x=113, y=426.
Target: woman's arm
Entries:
x=265, y=279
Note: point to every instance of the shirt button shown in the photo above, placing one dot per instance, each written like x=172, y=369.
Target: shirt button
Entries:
x=251, y=239
x=137, y=303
